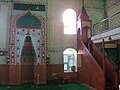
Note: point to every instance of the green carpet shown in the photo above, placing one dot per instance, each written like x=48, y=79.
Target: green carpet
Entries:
x=66, y=86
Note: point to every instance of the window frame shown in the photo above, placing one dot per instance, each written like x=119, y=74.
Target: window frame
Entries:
x=69, y=58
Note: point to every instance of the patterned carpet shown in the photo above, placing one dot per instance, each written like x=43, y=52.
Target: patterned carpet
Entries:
x=66, y=86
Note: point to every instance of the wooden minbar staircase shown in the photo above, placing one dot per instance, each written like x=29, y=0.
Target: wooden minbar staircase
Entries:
x=94, y=67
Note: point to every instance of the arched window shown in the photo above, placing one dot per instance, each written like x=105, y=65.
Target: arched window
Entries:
x=70, y=60
x=69, y=20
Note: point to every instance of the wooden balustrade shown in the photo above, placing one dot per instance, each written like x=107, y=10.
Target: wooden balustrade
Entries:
x=98, y=55
x=106, y=65
x=110, y=74
x=89, y=71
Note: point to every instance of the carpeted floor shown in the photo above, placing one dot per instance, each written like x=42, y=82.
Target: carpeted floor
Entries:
x=66, y=86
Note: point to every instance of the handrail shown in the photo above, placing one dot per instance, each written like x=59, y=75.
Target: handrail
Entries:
x=95, y=50
x=89, y=54
x=91, y=67
x=106, y=63
x=99, y=56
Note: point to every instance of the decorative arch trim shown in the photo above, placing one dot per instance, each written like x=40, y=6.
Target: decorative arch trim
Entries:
x=28, y=20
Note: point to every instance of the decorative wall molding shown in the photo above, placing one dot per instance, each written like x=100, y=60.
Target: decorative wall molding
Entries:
x=111, y=3
x=6, y=0
x=27, y=1
x=41, y=40
x=96, y=4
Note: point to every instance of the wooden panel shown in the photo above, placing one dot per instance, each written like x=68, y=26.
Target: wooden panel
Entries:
x=71, y=75
x=11, y=75
x=4, y=74
x=54, y=70
x=119, y=78
x=98, y=55
x=18, y=73
x=110, y=74
x=27, y=73
x=90, y=72
x=40, y=74
x=14, y=74
x=84, y=35
x=106, y=65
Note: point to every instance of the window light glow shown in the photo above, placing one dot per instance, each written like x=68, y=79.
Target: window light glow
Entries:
x=69, y=20
x=70, y=59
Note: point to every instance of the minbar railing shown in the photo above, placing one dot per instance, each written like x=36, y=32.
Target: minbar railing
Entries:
x=107, y=66
x=89, y=71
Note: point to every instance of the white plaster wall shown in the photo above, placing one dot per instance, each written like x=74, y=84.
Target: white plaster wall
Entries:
x=4, y=27
x=96, y=15
x=95, y=10
x=57, y=39
x=3, y=24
